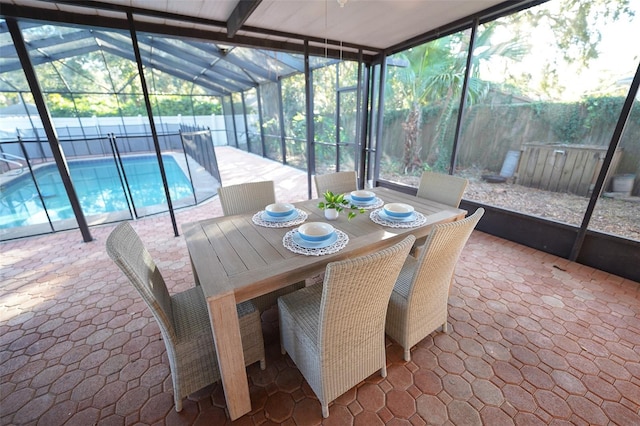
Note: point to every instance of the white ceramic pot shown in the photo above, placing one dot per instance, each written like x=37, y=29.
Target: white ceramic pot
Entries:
x=331, y=214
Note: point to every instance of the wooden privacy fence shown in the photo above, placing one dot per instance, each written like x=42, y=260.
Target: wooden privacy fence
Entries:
x=563, y=168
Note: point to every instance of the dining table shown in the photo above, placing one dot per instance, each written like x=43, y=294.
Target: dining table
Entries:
x=237, y=258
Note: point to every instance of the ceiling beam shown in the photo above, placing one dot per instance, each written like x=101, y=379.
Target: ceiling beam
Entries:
x=187, y=54
x=13, y=63
x=170, y=70
x=49, y=15
x=253, y=42
x=240, y=14
x=169, y=66
x=243, y=64
x=465, y=23
x=75, y=36
x=291, y=43
x=288, y=60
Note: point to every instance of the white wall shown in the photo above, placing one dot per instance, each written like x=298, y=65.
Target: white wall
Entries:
x=11, y=126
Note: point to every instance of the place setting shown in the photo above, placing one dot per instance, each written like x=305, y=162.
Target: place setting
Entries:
x=315, y=239
x=279, y=215
x=397, y=215
x=364, y=199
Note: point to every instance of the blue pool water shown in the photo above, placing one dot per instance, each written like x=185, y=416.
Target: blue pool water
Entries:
x=98, y=187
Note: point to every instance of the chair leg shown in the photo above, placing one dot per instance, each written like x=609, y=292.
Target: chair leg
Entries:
x=383, y=371
x=178, y=404
x=282, y=350
x=445, y=328
x=407, y=355
x=325, y=410
x=263, y=364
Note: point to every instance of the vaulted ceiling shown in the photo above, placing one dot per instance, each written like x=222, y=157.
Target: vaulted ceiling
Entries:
x=227, y=46
x=371, y=24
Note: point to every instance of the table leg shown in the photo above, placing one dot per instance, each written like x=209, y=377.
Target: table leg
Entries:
x=226, y=334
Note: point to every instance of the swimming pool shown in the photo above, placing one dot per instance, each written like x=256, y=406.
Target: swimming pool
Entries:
x=98, y=187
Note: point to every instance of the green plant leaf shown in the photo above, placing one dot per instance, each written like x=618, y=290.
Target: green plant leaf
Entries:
x=338, y=202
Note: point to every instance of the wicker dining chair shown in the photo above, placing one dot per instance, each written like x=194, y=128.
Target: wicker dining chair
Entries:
x=418, y=303
x=441, y=188
x=338, y=182
x=251, y=197
x=183, y=318
x=334, y=332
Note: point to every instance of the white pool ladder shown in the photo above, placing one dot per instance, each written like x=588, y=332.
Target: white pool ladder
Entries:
x=14, y=157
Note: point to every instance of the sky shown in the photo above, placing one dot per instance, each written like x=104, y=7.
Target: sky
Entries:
x=619, y=54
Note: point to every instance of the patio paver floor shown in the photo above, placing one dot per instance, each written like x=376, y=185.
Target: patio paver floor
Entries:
x=534, y=339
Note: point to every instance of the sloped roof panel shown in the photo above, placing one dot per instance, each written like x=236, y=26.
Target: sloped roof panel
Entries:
x=218, y=69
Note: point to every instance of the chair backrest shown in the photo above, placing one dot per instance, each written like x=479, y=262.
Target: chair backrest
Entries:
x=438, y=258
x=338, y=182
x=445, y=189
x=128, y=252
x=246, y=197
x=355, y=297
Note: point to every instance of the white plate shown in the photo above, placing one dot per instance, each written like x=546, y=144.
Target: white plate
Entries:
x=268, y=218
x=362, y=203
x=385, y=216
x=314, y=244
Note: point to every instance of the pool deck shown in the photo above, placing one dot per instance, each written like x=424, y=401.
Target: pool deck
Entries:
x=533, y=339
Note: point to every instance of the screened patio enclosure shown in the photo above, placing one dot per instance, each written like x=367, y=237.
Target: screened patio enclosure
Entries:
x=490, y=93
x=202, y=95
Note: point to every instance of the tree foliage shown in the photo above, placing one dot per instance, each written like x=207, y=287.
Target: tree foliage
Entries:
x=435, y=76
x=102, y=84
x=435, y=72
x=572, y=23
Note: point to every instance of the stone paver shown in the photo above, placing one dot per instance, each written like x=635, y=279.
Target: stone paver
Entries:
x=534, y=339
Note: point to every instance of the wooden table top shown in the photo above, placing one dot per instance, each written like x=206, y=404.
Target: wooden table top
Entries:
x=231, y=253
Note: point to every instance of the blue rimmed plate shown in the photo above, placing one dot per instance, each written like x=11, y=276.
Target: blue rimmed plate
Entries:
x=362, y=196
x=268, y=218
x=385, y=216
x=362, y=203
x=314, y=244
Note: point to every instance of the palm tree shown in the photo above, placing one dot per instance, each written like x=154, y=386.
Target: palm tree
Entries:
x=434, y=76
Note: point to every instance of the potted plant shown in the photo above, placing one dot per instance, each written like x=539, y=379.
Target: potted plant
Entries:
x=333, y=204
